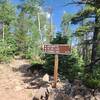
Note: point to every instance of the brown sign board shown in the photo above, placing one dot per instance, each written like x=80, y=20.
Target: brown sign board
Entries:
x=57, y=49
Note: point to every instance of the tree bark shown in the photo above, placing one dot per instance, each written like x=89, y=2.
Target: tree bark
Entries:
x=95, y=40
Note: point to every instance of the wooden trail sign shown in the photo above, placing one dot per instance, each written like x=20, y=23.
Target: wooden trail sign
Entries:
x=56, y=49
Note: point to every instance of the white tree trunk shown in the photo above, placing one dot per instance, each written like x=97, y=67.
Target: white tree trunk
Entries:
x=3, y=33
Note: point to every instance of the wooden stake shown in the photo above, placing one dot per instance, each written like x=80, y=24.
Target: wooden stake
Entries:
x=55, y=71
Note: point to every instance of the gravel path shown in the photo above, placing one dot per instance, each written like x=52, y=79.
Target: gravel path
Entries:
x=12, y=86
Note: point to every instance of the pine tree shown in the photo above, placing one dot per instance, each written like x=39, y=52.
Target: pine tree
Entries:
x=89, y=35
x=90, y=13
x=7, y=15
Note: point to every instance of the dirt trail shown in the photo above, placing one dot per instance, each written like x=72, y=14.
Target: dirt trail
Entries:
x=12, y=86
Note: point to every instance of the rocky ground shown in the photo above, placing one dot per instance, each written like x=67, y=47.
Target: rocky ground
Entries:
x=19, y=83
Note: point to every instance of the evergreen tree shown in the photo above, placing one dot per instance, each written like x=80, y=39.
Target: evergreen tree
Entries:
x=7, y=15
x=90, y=13
x=89, y=35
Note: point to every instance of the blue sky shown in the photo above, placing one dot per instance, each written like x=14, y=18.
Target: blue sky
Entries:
x=57, y=10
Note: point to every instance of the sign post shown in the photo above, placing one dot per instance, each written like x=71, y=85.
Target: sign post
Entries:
x=56, y=49
x=55, y=71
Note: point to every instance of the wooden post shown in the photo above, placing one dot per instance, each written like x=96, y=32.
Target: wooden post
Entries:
x=55, y=71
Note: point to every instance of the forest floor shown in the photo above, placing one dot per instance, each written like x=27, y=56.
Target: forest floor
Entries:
x=12, y=81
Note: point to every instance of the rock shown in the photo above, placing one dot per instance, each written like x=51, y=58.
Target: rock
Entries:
x=97, y=96
x=83, y=90
x=93, y=98
x=79, y=97
x=51, y=96
x=75, y=90
x=77, y=82
x=66, y=81
x=40, y=94
x=35, y=98
x=96, y=92
x=66, y=97
x=58, y=96
x=43, y=84
x=87, y=97
x=35, y=72
x=27, y=86
x=67, y=87
x=58, y=80
x=61, y=96
x=46, y=78
x=51, y=78
x=49, y=88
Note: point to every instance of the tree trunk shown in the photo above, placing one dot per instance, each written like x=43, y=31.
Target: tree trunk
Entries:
x=3, y=34
x=95, y=41
x=86, y=49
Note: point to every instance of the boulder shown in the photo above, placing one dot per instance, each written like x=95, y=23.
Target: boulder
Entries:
x=40, y=94
x=46, y=78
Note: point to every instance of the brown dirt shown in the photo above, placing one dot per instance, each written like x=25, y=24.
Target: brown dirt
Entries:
x=12, y=86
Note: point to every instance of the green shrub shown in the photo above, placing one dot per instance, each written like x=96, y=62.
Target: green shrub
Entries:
x=92, y=80
x=92, y=83
x=7, y=48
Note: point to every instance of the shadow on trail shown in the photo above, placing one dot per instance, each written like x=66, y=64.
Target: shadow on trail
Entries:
x=23, y=70
x=33, y=75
